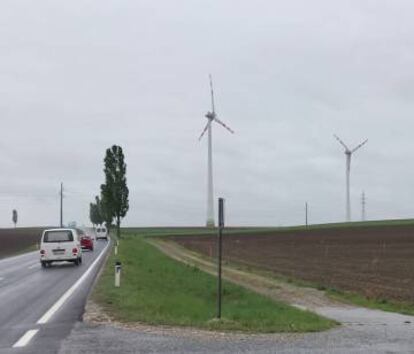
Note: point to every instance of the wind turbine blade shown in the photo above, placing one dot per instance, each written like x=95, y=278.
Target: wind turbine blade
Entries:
x=359, y=146
x=212, y=94
x=341, y=142
x=224, y=125
x=204, y=130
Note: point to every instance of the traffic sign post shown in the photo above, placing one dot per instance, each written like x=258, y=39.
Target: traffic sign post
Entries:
x=219, y=253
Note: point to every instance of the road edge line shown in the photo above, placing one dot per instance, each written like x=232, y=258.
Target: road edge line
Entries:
x=25, y=338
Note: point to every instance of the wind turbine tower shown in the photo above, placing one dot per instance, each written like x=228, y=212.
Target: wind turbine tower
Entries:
x=363, y=205
x=348, y=154
x=211, y=117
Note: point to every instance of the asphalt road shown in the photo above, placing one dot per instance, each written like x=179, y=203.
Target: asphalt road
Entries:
x=39, y=307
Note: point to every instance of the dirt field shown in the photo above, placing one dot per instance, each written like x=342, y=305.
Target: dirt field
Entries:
x=13, y=241
x=377, y=262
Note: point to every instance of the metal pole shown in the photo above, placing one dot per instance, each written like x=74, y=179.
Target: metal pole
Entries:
x=61, y=204
x=363, y=216
x=220, y=249
x=348, y=177
x=210, y=197
x=306, y=214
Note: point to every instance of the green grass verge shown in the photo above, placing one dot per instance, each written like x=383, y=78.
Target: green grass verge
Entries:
x=158, y=290
x=190, y=231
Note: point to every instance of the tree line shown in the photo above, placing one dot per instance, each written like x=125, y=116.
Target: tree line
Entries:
x=112, y=204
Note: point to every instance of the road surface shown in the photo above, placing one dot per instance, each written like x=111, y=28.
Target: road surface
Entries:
x=39, y=307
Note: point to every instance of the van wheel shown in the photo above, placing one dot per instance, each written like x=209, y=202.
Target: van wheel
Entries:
x=80, y=260
x=77, y=261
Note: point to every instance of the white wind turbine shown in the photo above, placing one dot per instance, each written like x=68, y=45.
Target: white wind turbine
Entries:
x=211, y=116
x=348, y=154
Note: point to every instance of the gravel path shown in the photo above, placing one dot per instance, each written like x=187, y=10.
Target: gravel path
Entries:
x=367, y=335
x=362, y=331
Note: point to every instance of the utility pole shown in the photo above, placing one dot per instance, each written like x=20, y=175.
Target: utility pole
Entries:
x=363, y=204
x=61, y=204
x=306, y=214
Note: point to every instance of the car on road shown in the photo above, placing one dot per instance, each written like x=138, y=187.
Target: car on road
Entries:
x=101, y=233
x=58, y=245
x=86, y=239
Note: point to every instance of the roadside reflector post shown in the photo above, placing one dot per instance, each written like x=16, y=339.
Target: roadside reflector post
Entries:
x=118, y=269
x=116, y=248
x=219, y=253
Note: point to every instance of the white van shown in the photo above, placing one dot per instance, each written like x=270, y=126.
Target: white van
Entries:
x=59, y=245
x=101, y=232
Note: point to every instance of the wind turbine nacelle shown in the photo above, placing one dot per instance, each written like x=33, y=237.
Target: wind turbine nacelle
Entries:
x=210, y=115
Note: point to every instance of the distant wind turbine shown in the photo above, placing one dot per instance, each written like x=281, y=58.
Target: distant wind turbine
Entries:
x=348, y=154
x=211, y=116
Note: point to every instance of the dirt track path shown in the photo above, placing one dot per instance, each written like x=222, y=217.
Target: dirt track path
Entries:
x=305, y=298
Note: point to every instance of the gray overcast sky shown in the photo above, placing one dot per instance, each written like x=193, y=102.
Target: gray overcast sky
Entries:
x=78, y=76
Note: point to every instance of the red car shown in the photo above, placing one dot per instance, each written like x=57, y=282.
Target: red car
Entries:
x=86, y=241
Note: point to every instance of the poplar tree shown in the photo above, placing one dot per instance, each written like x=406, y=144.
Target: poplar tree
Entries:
x=114, y=193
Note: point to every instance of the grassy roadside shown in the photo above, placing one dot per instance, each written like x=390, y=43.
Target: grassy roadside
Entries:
x=158, y=290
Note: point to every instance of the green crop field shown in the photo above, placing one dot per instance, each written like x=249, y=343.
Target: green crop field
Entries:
x=170, y=231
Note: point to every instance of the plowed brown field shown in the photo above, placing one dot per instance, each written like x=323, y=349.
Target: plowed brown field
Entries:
x=377, y=262
x=13, y=241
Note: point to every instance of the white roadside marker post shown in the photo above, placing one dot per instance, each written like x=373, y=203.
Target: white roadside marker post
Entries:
x=118, y=268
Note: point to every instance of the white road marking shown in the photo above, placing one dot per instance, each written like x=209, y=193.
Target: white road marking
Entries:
x=34, y=266
x=58, y=304
x=22, y=342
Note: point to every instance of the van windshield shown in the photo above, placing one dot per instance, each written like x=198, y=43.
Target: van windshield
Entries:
x=58, y=236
